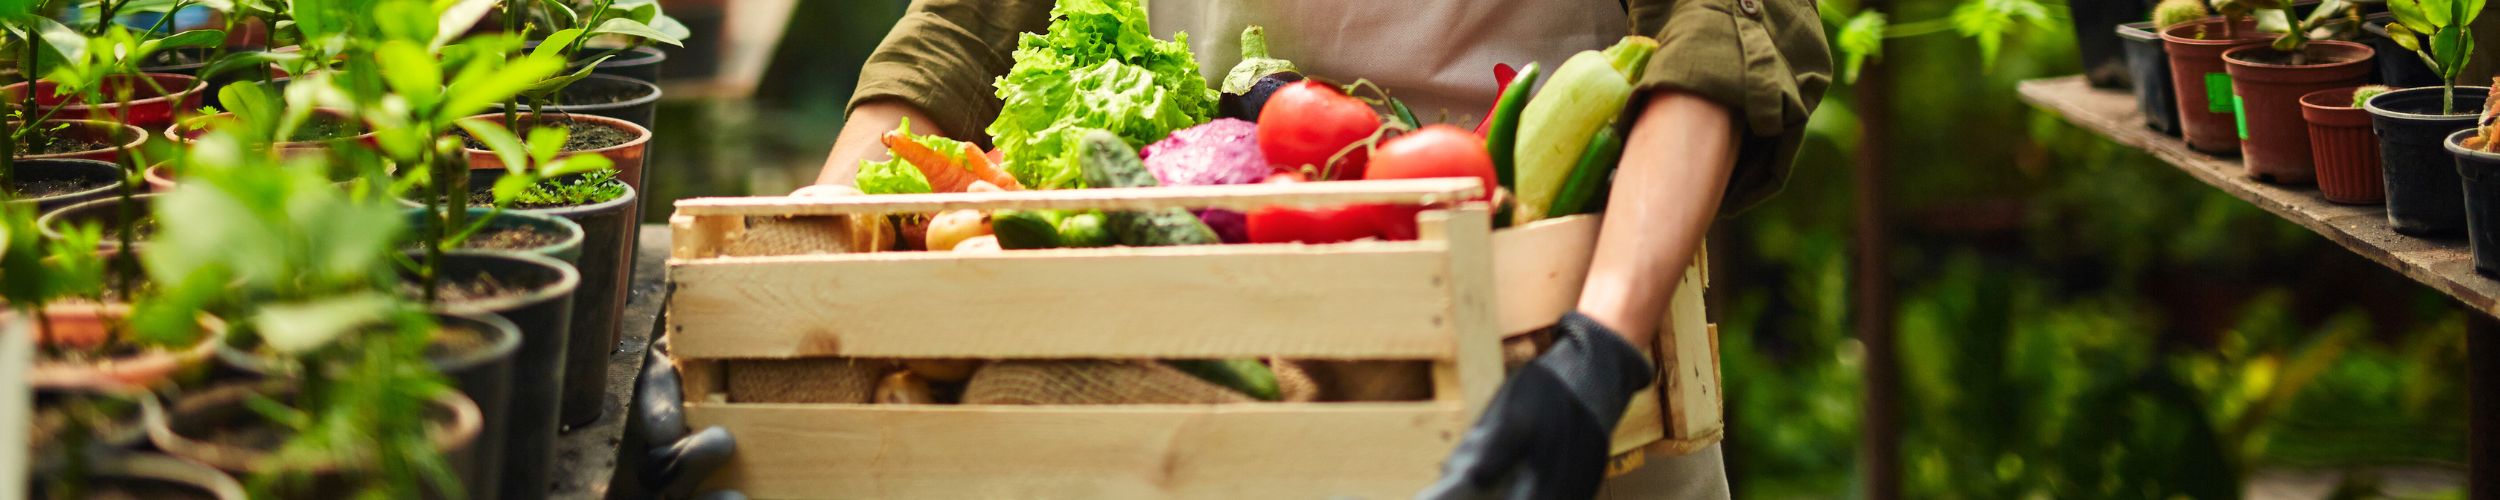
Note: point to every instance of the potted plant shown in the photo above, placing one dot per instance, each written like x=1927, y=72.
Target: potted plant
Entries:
x=265, y=122
x=2268, y=80
x=2149, y=63
x=2424, y=195
x=2398, y=72
x=2104, y=62
x=129, y=340
x=2200, y=80
x=2477, y=153
x=2345, y=151
x=640, y=22
x=500, y=230
x=49, y=184
x=78, y=139
x=541, y=179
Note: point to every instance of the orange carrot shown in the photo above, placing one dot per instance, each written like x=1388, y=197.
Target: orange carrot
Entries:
x=945, y=174
x=982, y=167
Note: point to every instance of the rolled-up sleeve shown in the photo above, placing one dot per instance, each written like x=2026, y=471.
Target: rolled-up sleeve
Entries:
x=1765, y=60
x=942, y=56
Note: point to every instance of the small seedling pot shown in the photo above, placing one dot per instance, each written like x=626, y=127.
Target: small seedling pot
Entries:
x=149, y=475
x=104, y=212
x=2343, y=148
x=127, y=137
x=148, y=109
x=190, y=426
x=2149, y=67
x=627, y=156
x=86, y=325
x=2400, y=69
x=2203, y=83
x=542, y=310
x=2104, y=62
x=2481, y=173
x=568, y=235
x=2268, y=85
x=100, y=178
x=188, y=131
x=607, y=255
x=605, y=95
x=2424, y=195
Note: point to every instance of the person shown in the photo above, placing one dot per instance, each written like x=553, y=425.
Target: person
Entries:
x=1720, y=114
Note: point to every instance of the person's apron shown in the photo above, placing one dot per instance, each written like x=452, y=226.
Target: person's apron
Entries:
x=1436, y=55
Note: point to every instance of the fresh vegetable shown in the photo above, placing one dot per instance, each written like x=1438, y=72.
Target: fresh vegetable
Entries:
x=1599, y=158
x=904, y=388
x=1220, y=152
x=979, y=244
x=1503, y=74
x=1308, y=123
x=911, y=231
x=1294, y=225
x=1247, y=105
x=1084, y=230
x=1554, y=130
x=951, y=228
x=1254, y=62
x=1110, y=163
x=1097, y=67
x=1433, y=151
x=896, y=176
x=1501, y=137
x=1245, y=375
x=1025, y=229
x=942, y=370
x=943, y=168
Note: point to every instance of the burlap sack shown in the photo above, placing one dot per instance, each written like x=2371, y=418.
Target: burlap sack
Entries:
x=804, y=235
x=1293, y=384
x=802, y=380
x=1091, y=383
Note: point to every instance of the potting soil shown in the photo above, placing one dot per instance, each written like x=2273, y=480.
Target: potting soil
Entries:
x=38, y=188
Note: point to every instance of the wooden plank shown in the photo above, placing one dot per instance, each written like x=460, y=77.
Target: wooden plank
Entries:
x=1375, y=300
x=1539, y=268
x=1386, y=450
x=2442, y=264
x=1692, y=389
x=1239, y=197
x=1478, y=370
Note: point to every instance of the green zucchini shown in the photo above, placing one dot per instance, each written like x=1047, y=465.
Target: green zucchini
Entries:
x=1109, y=162
x=1024, y=229
x=1503, y=136
x=1084, y=230
x=1246, y=375
x=1604, y=150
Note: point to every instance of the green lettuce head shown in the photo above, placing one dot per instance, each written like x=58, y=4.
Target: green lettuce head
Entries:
x=1097, y=67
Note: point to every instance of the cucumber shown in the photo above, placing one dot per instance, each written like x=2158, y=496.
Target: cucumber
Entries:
x=1024, y=229
x=1503, y=136
x=1084, y=230
x=1109, y=162
x=1245, y=375
x=1604, y=150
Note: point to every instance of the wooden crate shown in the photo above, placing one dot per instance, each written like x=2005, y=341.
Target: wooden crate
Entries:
x=1447, y=298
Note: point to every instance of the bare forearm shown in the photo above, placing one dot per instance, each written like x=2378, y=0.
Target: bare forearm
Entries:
x=1675, y=167
x=858, y=140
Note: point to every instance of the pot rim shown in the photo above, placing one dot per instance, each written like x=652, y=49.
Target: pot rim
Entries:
x=652, y=97
x=641, y=55
x=2375, y=109
x=196, y=87
x=559, y=212
x=2455, y=142
x=49, y=223
x=2244, y=38
x=115, y=184
x=568, y=279
x=573, y=235
x=180, y=134
x=641, y=135
x=466, y=420
x=2141, y=31
x=2230, y=56
x=159, y=177
x=253, y=362
x=168, y=468
x=98, y=376
x=139, y=137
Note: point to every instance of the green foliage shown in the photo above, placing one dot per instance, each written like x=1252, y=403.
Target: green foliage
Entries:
x=2361, y=96
x=1862, y=35
x=2451, y=41
x=1097, y=67
x=2174, y=12
x=1987, y=22
x=585, y=189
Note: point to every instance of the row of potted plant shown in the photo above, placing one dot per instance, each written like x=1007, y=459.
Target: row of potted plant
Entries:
x=373, y=256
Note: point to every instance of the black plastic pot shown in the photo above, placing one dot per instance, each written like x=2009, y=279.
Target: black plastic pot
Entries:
x=2397, y=67
x=2482, y=201
x=2149, y=65
x=568, y=245
x=607, y=251
x=67, y=170
x=148, y=475
x=104, y=212
x=638, y=109
x=2104, y=63
x=639, y=63
x=543, y=315
x=2424, y=196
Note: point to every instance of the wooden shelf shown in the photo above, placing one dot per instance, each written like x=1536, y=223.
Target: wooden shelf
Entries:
x=2442, y=264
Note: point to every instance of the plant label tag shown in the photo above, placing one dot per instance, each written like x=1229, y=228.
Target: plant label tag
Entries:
x=2218, y=93
x=2239, y=114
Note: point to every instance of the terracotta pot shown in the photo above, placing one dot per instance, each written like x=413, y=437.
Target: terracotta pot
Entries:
x=185, y=429
x=2343, y=148
x=2203, y=84
x=160, y=178
x=2268, y=86
x=2481, y=172
x=628, y=156
x=105, y=212
x=2149, y=66
x=106, y=177
x=190, y=130
x=79, y=325
x=2424, y=195
x=147, y=110
x=130, y=138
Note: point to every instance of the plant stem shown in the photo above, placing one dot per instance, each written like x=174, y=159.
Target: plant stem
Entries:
x=2448, y=98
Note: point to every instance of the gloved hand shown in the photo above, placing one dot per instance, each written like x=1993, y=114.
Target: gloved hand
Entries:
x=1547, y=433
x=675, y=463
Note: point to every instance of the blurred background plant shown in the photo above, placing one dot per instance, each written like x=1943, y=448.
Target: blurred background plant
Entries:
x=2074, y=318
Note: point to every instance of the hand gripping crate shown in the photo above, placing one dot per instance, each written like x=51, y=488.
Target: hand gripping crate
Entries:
x=1447, y=298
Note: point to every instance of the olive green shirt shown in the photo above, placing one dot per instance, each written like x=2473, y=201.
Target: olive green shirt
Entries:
x=1765, y=60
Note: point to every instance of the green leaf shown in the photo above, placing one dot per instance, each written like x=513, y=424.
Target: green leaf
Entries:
x=671, y=27
x=2409, y=13
x=63, y=41
x=2404, y=37
x=301, y=327
x=545, y=88
x=507, y=147
x=2448, y=45
x=2471, y=9
x=193, y=39
x=1987, y=21
x=553, y=46
x=563, y=13
x=1861, y=38
x=510, y=187
x=411, y=72
x=2438, y=13
x=473, y=92
x=546, y=142
x=457, y=19
x=636, y=29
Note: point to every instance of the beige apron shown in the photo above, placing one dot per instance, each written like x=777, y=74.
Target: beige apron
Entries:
x=1436, y=55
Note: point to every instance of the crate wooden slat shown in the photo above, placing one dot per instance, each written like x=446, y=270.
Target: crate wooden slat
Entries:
x=1237, y=197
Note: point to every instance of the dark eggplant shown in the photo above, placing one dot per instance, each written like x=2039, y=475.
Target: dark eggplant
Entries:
x=1246, y=106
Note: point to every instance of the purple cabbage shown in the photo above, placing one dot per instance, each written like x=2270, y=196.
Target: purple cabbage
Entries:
x=1220, y=152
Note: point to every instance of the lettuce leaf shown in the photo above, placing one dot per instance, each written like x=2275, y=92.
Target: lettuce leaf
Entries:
x=1096, y=68
x=895, y=176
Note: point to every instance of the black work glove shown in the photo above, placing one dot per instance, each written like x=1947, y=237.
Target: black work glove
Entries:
x=674, y=462
x=1548, y=432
